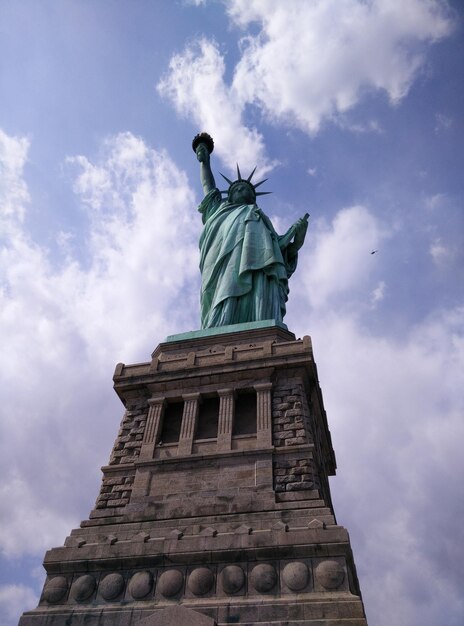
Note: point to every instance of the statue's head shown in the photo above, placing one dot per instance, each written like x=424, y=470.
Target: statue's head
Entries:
x=242, y=190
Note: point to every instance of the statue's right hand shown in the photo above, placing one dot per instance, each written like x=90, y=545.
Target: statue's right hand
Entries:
x=202, y=153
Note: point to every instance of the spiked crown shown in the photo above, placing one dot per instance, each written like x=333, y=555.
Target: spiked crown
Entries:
x=233, y=183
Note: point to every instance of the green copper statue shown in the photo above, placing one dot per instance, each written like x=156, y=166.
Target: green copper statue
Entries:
x=245, y=265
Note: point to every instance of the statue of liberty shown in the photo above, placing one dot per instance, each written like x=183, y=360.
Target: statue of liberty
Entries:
x=245, y=265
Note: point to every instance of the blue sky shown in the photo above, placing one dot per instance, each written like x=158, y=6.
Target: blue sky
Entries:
x=353, y=110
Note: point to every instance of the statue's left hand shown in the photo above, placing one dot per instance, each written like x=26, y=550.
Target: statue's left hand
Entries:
x=301, y=226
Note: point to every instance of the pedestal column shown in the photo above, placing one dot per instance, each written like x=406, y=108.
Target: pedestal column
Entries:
x=264, y=415
x=153, y=427
x=226, y=419
x=189, y=423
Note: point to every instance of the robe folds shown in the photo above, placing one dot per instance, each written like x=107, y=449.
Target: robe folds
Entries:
x=244, y=271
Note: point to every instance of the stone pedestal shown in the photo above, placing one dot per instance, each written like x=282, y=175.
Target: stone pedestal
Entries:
x=215, y=505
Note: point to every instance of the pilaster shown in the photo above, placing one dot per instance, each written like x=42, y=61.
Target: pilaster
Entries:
x=226, y=418
x=153, y=427
x=189, y=423
x=264, y=414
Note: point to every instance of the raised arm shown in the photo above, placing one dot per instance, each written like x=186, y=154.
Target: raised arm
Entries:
x=206, y=175
x=203, y=145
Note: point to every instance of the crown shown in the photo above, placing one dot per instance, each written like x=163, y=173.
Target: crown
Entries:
x=244, y=180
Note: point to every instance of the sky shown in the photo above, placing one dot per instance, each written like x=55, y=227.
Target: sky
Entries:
x=353, y=110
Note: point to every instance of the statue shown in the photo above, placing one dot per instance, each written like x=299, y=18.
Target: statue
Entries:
x=245, y=265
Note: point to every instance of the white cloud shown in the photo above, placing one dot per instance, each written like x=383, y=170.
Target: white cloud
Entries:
x=394, y=402
x=13, y=599
x=378, y=293
x=440, y=253
x=370, y=126
x=312, y=61
x=195, y=84
x=30, y=525
x=442, y=122
x=13, y=191
x=64, y=327
x=140, y=208
x=444, y=231
x=437, y=201
x=339, y=260
x=395, y=411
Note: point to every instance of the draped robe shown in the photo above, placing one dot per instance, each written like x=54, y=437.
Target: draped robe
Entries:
x=243, y=269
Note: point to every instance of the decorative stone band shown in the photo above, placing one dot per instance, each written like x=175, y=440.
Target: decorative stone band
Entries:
x=284, y=577
x=165, y=360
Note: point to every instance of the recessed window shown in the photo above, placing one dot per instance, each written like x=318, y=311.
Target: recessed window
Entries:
x=245, y=414
x=208, y=419
x=172, y=421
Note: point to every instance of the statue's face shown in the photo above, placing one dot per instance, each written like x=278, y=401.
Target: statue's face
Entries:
x=242, y=193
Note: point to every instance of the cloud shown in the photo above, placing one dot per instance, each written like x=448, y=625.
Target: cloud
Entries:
x=394, y=402
x=339, y=261
x=378, y=293
x=440, y=253
x=140, y=208
x=442, y=122
x=395, y=409
x=31, y=525
x=437, y=201
x=370, y=126
x=13, y=190
x=308, y=64
x=444, y=231
x=13, y=599
x=195, y=84
x=65, y=326
x=393, y=395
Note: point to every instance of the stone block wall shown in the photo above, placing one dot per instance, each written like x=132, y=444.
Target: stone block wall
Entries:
x=115, y=491
x=290, y=415
x=116, y=487
x=129, y=440
x=298, y=473
x=293, y=425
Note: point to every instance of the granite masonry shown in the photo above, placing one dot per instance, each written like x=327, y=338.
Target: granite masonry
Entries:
x=215, y=505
